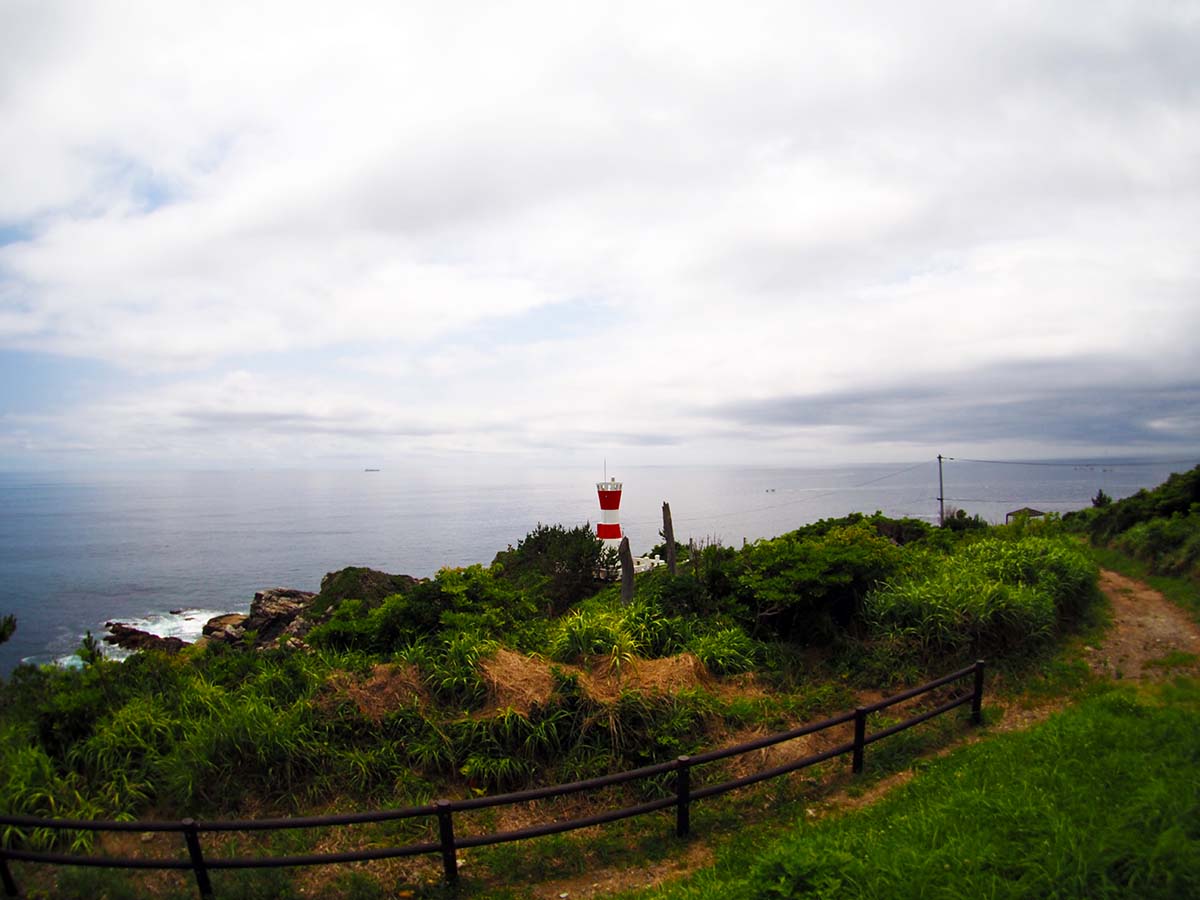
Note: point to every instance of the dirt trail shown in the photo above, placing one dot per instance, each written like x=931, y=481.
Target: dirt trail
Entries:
x=1147, y=630
x=1150, y=638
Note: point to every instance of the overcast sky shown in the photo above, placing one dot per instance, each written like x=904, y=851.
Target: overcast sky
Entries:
x=337, y=233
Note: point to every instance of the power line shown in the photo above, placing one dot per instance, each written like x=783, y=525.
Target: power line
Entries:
x=1076, y=465
x=806, y=499
x=1001, y=500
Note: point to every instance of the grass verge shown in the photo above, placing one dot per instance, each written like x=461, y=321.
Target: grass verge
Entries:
x=1099, y=801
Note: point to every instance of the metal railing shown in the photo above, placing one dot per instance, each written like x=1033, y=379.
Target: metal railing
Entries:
x=443, y=810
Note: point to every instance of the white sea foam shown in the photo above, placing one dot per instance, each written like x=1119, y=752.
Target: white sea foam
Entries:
x=185, y=624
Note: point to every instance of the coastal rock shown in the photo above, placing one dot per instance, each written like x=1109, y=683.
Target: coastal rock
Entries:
x=273, y=610
x=282, y=617
x=129, y=638
x=224, y=628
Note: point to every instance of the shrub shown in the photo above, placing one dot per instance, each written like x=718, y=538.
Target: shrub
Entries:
x=560, y=565
x=801, y=587
x=456, y=600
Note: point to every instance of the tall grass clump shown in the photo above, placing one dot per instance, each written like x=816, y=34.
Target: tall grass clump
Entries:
x=450, y=667
x=989, y=596
x=1067, y=575
x=598, y=629
x=727, y=651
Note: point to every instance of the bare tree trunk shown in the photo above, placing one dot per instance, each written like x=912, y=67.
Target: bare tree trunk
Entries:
x=626, y=572
x=669, y=537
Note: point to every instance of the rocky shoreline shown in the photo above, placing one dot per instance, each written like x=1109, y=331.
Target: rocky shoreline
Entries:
x=278, y=617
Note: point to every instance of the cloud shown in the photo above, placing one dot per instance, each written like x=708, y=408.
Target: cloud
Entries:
x=540, y=227
x=1076, y=404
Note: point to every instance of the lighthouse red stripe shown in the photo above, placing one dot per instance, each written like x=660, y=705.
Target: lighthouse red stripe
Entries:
x=610, y=499
x=605, y=532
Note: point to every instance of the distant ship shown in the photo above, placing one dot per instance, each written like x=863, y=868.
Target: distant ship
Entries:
x=370, y=470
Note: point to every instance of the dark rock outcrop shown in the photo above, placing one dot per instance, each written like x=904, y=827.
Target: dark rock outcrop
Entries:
x=129, y=638
x=272, y=613
x=282, y=617
x=360, y=583
x=224, y=628
x=273, y=610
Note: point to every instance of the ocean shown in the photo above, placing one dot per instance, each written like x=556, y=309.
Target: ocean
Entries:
x=166, y=551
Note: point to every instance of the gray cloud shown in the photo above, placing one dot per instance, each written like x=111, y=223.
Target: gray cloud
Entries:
x=1060, y=403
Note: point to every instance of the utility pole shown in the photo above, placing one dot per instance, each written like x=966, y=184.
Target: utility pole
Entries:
x=941, y=495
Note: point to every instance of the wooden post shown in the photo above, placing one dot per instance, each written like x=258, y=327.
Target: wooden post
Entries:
x=191, y=836
x=626, y=572
x=10, y=884
x=446, y=834
x=977, y=696
x=683, y=796
x=669, y=537
x=860, y=739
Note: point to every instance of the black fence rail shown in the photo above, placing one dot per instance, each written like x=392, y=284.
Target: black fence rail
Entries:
x=443, y=810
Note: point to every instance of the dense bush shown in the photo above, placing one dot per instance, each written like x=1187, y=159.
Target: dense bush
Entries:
x=455, y=600
x=558, y=565
x=800, y=587
x=901, y=531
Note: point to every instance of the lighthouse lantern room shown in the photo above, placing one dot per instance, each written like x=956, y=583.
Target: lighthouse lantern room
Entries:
x=609, y=527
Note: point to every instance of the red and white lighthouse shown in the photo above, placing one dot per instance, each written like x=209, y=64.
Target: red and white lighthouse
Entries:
x=609, y=527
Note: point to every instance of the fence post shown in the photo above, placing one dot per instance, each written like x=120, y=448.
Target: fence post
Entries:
x=10, y=884
x=446, y=832
x=683, y=796
x=977, y=698
x=191, y=835
x=860, y=738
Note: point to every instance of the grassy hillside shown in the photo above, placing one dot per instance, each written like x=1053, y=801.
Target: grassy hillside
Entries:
x=530, y=671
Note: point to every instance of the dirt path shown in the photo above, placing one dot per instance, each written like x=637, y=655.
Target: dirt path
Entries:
x=1148, y=633
x=1150, y=638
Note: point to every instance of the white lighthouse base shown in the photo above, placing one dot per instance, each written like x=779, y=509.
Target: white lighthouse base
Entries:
x=640, y=564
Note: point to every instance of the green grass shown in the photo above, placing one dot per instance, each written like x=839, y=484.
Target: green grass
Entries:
x=1174, y=659
x=1183, y=592
x=1100, y=801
